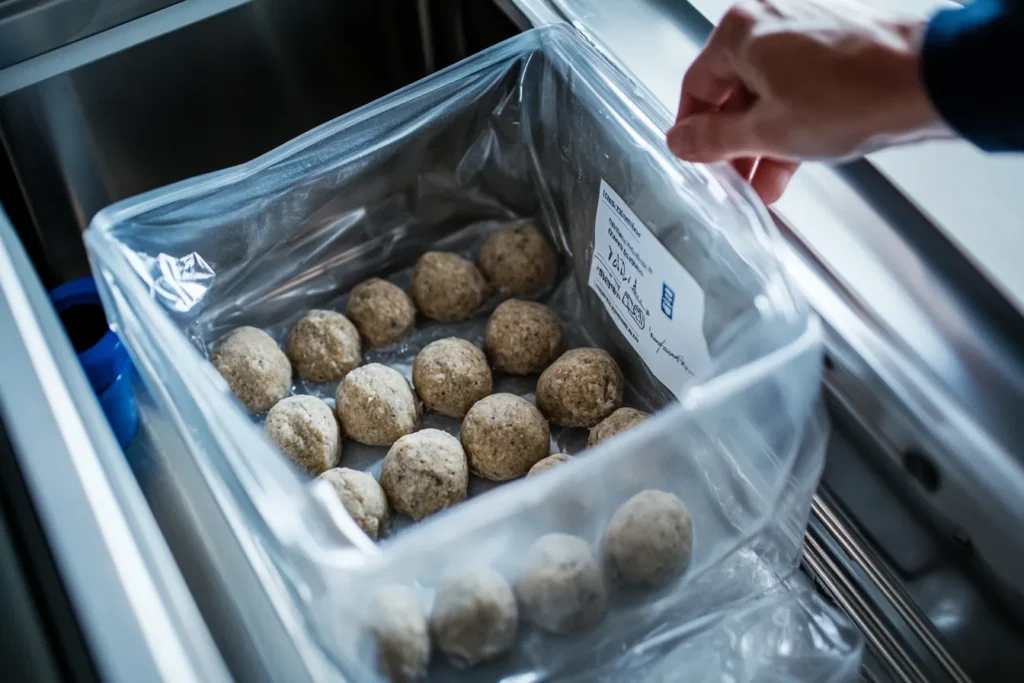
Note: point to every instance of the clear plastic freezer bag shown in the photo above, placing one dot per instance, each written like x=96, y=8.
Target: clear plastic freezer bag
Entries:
x=533, y=129
x=694, y=450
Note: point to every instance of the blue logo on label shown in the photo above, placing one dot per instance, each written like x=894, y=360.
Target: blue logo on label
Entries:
x=668, y=300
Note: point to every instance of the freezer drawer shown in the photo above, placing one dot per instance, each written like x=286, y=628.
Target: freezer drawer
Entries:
x=108, y=599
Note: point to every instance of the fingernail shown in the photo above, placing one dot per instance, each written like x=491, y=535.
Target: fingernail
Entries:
x=680, y=140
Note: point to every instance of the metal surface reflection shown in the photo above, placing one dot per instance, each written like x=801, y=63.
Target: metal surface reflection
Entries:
x=218, y=91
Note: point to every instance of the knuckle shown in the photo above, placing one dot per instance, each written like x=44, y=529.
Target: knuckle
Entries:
x=741, y=17
x=692, y=76
x=774, y=56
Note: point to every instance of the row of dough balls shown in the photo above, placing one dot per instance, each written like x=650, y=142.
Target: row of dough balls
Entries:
x=503, y=436
x=324, y=346
x=561, y=588
x=521, y=338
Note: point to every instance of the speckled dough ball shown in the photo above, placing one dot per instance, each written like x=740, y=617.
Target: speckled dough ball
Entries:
x=424, y=473
x=523, y=337
x=519, y=260
x=450, y=375
x=257, y=371
x=447, y=287
x=504, y=436
x=561, y=587
x=362, y=496
x=548, y=462
x=581, y=388
x=475, y=616
x=381, y=311
x=619, y=421
x=400, y=630
x=376, y=405
x=649, y=539
x=324, y=346
x=304, y=428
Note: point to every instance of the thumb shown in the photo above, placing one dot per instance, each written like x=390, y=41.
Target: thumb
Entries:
x=714, y=136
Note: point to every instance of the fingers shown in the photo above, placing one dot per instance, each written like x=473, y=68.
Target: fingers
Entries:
x=713, y=83
x=719, y=117
x=745, y=166
x=704, y=88
x=714, y=136
x=771, y=178
x=713, y=77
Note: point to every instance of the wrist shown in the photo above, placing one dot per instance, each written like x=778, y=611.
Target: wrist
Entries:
x=913, y=116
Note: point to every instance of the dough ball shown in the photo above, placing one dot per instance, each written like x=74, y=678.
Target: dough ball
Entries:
x=561, y=588
x=304, y=428
x=254, y=367
x=324, y=346
x=547, y=463
x=523, y=337
x=519, y=260
x=376, y=405
x=619, y=421
x=450, y=375
x=475, y=616
x=400, y=631
x=381, y=311
x=649, y=539
x=424, y=473
x=581, y=388
x=362, y=496
x=447, y=287
x=504, y=436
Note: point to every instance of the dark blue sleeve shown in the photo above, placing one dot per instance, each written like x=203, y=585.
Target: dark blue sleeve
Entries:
x=972, y=64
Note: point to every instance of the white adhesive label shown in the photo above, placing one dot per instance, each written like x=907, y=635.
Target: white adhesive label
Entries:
x=654, y=302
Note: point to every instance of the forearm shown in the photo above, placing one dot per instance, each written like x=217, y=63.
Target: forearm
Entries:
x=972, y=60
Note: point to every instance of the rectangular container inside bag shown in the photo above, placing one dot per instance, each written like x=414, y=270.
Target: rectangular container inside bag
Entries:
x=542, y=128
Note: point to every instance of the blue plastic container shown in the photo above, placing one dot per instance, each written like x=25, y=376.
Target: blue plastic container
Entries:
x=101, y=353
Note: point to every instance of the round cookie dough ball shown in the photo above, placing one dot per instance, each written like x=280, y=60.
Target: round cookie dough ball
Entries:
x=425, y=473
x=523, y=337
x=619, y=421
x=504, y=436
x=447, y=287
x=519, y=260
x=376, y=405
x=324, y=346
x=400, y=630
x=649, y=539
x=450, y=375
x=304, y=428
x=581, y=388
x=561, y=587
x=475, y=616
x=257, y=371
x=362, y=496
x=548, y=462
x=381, y=311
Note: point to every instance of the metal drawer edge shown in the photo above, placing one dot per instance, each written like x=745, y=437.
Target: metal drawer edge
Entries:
x=134, y=609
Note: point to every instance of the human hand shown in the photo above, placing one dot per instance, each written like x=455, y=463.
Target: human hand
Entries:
x=781, y=82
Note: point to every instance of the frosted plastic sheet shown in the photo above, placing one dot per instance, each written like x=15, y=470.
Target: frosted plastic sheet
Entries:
x=785, y=637
x=524, y=131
